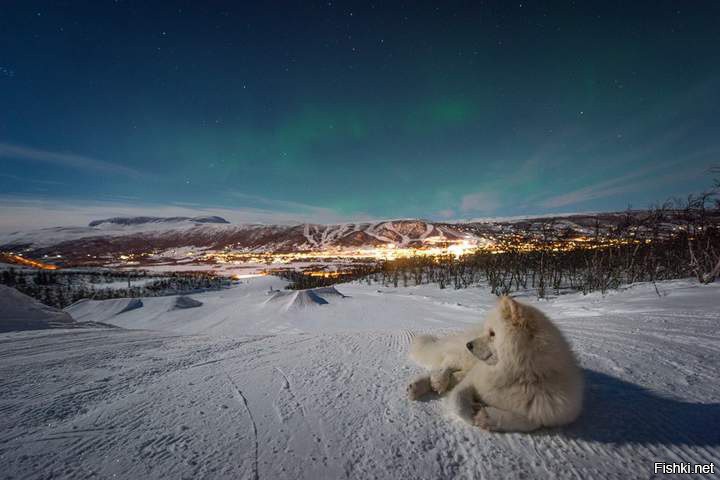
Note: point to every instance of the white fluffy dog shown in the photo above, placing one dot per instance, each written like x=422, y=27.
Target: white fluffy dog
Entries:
x=515, y=373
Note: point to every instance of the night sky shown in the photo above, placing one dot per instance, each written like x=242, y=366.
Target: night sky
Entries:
x=332, y=111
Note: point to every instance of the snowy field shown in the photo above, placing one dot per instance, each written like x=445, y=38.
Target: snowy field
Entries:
x=275, y=385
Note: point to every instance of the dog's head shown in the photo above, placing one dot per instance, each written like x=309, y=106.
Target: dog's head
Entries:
x=508, y=328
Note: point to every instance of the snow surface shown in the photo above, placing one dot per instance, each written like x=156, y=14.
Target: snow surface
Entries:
x=241, y=387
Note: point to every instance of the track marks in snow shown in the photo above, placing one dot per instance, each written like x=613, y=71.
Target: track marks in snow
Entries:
x=286, y=401
x=305, y=426
x=243, y=401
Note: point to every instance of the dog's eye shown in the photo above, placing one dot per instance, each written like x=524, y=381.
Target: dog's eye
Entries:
x=492, y=333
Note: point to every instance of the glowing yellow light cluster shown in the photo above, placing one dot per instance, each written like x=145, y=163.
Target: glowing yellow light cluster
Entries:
x=431, y=247
x=28, y=262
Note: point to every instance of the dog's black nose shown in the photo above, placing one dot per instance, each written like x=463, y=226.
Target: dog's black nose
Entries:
x=469, y=346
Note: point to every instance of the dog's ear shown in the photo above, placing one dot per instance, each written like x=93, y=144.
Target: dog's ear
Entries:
x=513, y=312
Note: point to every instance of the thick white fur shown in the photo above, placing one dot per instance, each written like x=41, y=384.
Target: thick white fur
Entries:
x=520, y=376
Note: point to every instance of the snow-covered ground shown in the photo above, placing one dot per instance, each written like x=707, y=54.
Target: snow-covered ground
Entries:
x=252, y=384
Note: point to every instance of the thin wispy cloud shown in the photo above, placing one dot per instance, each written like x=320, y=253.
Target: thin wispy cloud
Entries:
x=275, y=204
x=637, y=181
x=65, y=160
x=480, y=202
x=16, y=178
x=306, y=212
x=445, y=213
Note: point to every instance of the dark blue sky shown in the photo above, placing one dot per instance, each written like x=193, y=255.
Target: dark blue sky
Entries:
x=275, y=111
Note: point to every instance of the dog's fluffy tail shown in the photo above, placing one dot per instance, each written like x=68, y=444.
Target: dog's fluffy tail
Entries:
x=427, y=351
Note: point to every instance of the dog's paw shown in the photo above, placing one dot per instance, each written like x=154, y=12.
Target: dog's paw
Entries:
x=440, y=383
x=417, y=389
x=483, y=420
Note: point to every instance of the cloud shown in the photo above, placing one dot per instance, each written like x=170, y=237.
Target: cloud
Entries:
x=615, y=186
x=280, y=205
x=66, y=160
x=445, y=214
x=637, y=181
x=16, y=178
x=23, y=214
x=480, y=202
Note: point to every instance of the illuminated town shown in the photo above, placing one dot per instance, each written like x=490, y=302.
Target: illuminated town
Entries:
x=239, y=263
x=240, y=251
x=393, y=252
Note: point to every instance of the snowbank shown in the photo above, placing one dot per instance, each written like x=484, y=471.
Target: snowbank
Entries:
x=329, y=291
x=102, y=310
x=21, y=312
x=132, y=304
x=297, y=299
x=187, y=302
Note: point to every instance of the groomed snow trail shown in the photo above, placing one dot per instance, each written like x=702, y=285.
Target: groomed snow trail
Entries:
x=102, y=403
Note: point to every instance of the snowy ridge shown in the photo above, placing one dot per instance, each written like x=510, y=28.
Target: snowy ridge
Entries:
x=126, y=221
x=179, y=232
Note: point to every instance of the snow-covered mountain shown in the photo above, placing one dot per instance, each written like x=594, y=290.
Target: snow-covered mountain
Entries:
x=113, y=237
x=145, y=234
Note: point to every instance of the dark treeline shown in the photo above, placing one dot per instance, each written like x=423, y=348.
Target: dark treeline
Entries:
x=302, y=281
x=667, y=243
x=674, y=240
x=60, y=288
x=678, y=239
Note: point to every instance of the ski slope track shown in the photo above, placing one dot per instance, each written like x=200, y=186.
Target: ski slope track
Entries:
x=243, y=387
